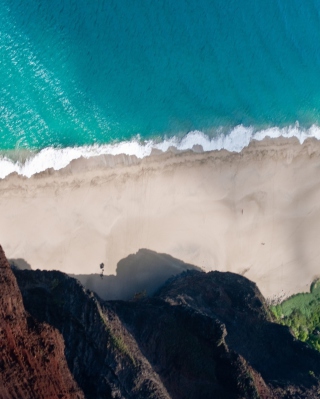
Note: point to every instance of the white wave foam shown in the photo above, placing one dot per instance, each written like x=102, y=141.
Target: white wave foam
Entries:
x=238, y=138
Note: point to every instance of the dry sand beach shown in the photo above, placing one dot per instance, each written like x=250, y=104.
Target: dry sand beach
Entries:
x=256, y=213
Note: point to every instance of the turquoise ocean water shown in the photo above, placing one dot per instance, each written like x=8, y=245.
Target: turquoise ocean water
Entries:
x=80, y=77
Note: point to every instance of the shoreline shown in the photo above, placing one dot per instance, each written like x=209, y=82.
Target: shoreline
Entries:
x=30, y=162
x=255, y=212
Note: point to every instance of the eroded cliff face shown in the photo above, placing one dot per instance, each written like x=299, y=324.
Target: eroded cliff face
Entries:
x=278, y=365
x=32, y=361
x=102, y=355
x=211, y=335
x=202, y=335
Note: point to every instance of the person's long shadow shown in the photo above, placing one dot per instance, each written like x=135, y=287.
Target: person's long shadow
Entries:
x=138, y=274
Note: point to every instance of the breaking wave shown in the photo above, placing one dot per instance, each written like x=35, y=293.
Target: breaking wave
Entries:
x=58, y=158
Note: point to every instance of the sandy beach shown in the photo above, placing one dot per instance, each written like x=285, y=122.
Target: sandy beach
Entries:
x=256, y=213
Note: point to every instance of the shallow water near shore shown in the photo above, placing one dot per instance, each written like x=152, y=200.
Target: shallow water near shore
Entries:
x=112, y=77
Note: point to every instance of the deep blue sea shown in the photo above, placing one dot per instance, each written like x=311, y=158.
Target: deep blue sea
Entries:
x=87, y=77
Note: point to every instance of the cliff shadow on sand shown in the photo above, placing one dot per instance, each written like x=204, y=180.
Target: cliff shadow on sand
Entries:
x=141, y=273
x=20, y=264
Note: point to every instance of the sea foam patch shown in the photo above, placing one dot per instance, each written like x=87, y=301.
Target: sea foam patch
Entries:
x=238, y=138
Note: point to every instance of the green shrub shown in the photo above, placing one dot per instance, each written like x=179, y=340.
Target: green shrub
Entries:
x=301, y=312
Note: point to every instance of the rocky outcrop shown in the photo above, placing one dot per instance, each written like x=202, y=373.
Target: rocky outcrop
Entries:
x=32, y=361
x=202, y=335
x=102, y=355
x=211, y=335
x=280, y=366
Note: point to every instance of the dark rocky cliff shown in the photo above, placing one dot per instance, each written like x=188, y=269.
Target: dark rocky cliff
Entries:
x=102, y=355
x=32, y=361
x=200, y=336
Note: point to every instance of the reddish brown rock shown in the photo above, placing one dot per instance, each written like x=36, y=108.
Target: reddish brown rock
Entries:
x=32, y=361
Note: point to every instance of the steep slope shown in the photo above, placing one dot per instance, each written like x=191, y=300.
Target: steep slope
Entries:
x=103, y=357
x=32, y=362
x=202, y=335
x=287, y=366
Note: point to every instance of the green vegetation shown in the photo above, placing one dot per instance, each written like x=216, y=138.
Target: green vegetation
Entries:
x=116, y=341
x=301, y=313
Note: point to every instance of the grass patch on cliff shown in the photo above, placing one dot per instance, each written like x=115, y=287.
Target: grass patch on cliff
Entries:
x=116, y=341
x=301, y=312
